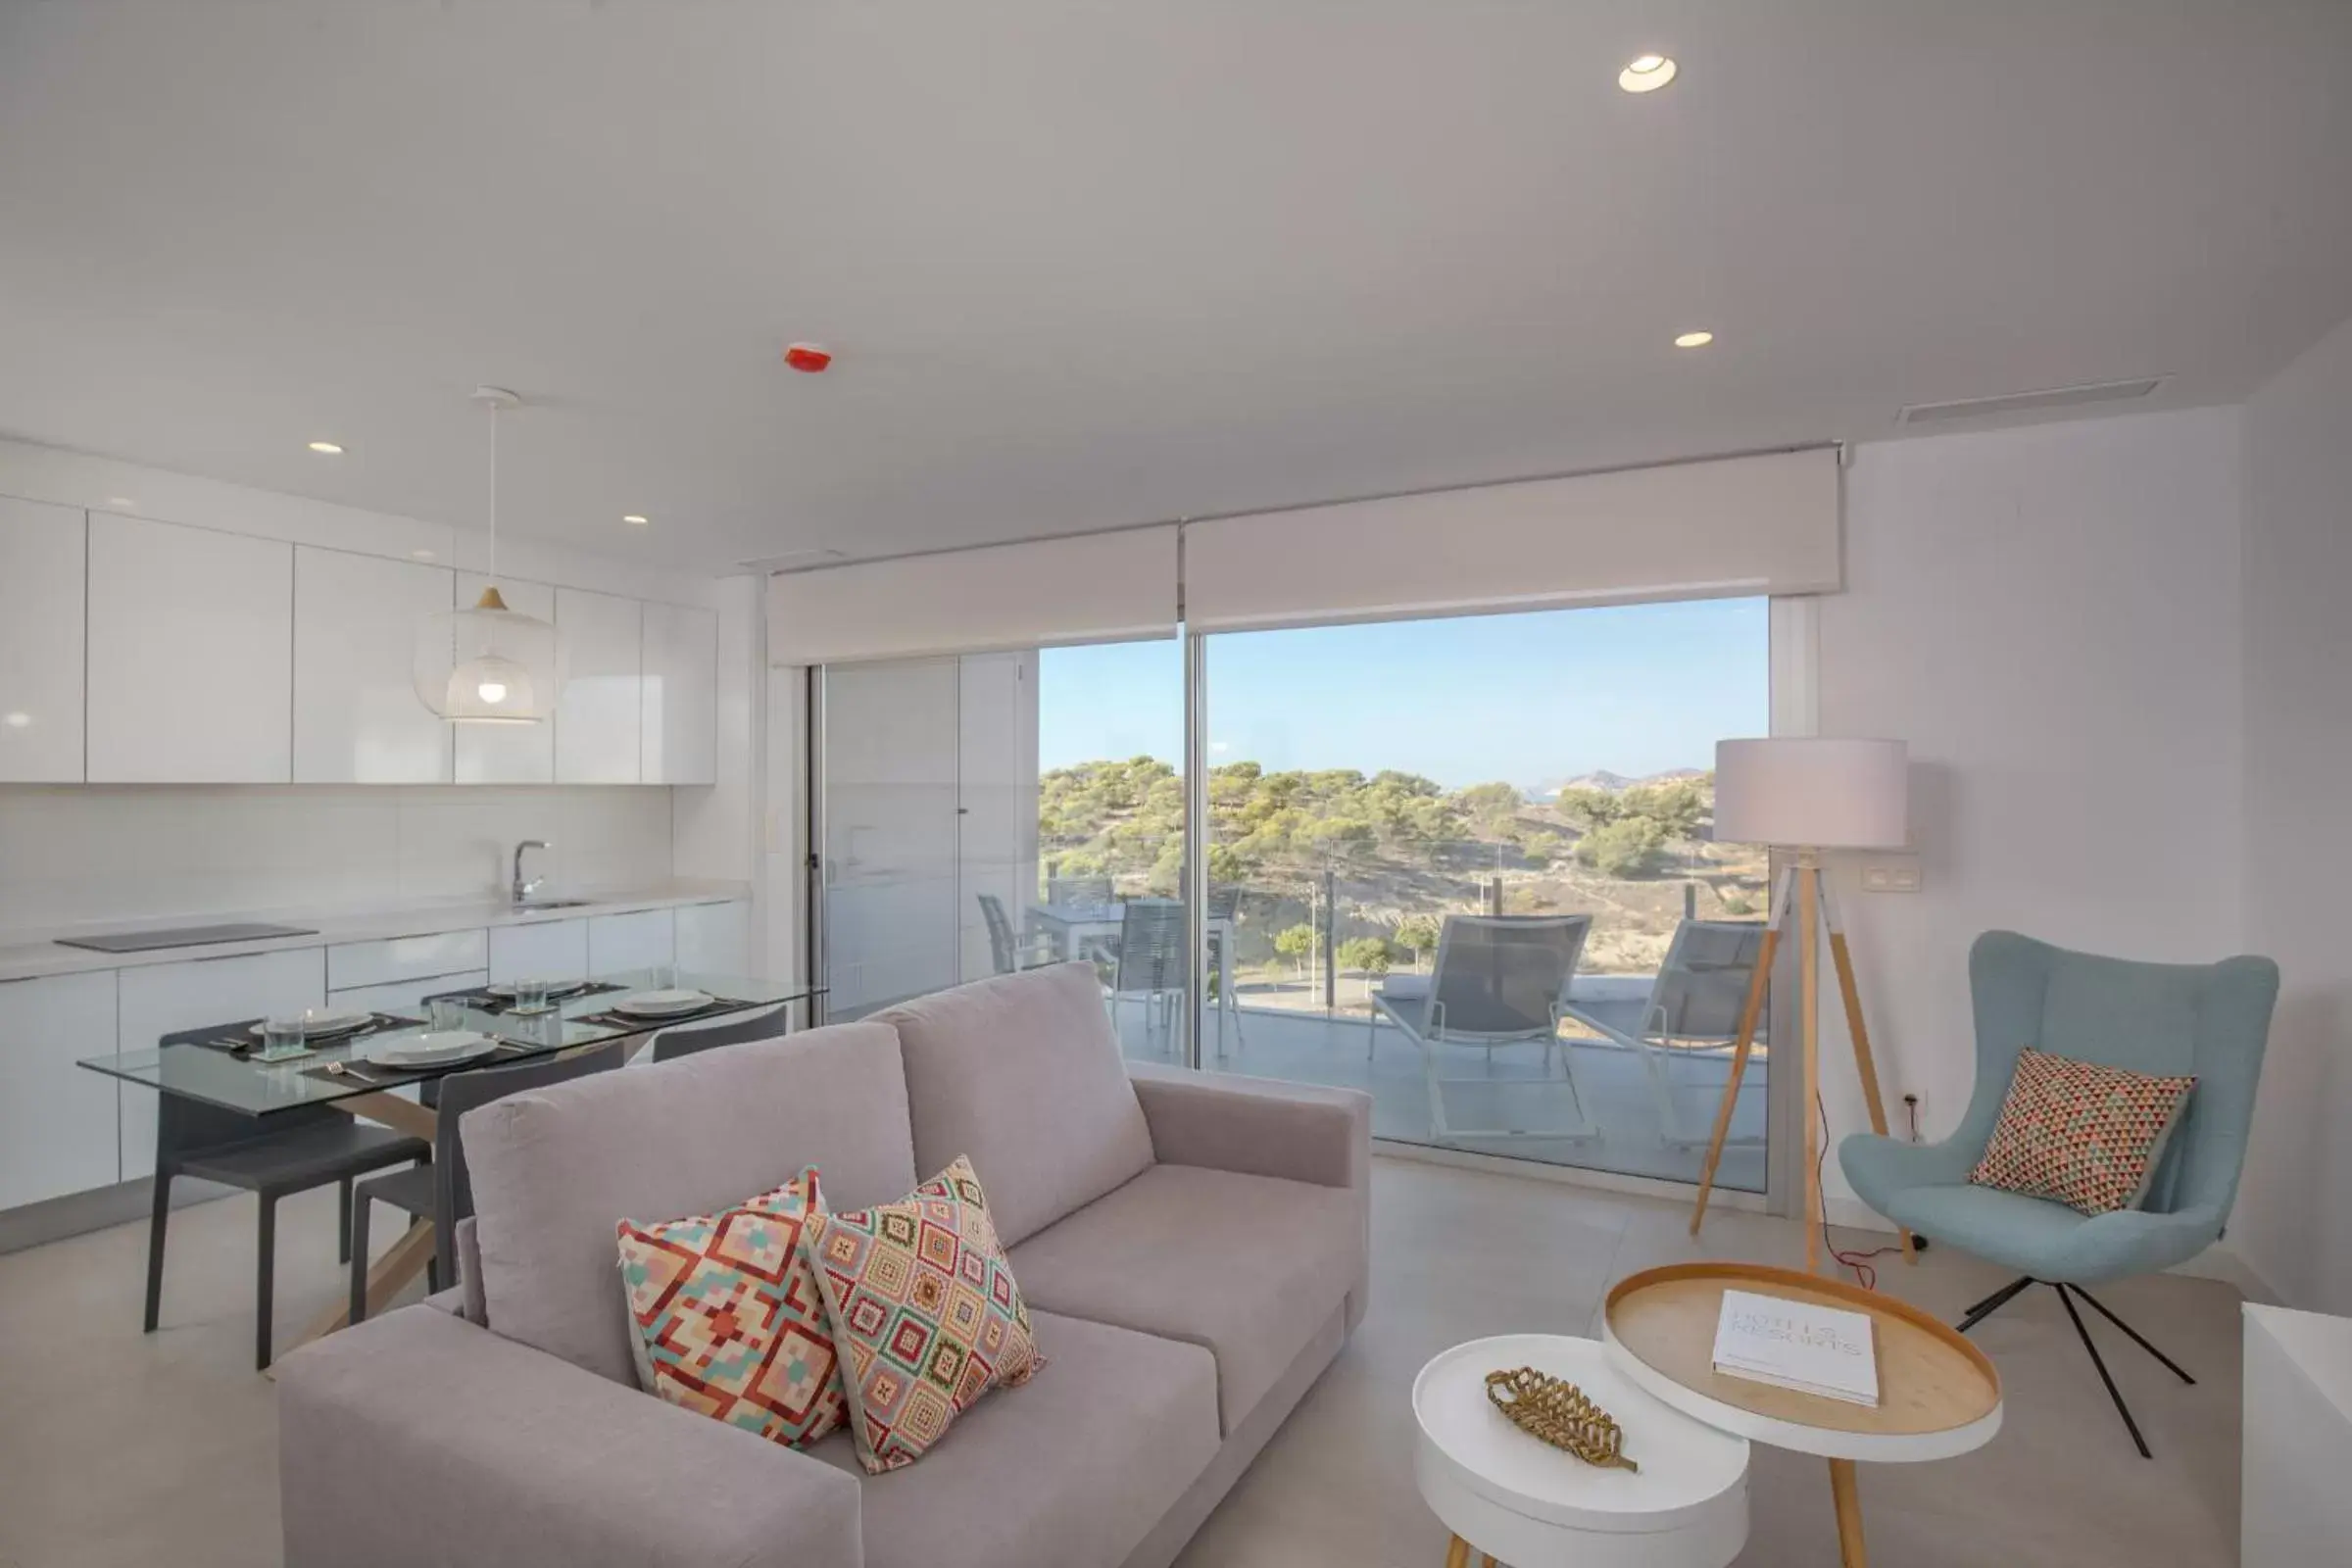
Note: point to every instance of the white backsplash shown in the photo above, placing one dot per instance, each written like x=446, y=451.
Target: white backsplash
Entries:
x=73, y=854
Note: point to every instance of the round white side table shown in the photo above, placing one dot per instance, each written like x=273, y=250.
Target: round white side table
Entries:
x=1513, y=1496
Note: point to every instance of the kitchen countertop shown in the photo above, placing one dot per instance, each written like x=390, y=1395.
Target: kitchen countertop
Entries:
x=23, y=957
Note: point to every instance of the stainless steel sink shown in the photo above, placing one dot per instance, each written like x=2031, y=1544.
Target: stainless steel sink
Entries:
x=533, y=906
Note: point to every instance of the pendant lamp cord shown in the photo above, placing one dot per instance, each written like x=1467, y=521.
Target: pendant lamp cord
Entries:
x=493, y=574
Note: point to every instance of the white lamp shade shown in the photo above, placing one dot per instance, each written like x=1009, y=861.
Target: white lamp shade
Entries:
x=1813, y=793
x=486, y=665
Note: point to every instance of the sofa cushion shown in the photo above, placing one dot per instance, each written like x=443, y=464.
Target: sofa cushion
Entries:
x=1022, y=1075
x=1247, y=1266
x=728, y=1318
x=924, y=1311
x=555, y=1169
x=1071, y=1470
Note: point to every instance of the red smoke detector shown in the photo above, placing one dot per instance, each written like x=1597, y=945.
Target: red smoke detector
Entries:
x=807, y=357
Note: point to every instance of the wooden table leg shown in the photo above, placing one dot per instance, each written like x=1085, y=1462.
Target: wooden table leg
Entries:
x=402, y=1263
x=1457, y=1552
x=1848, y=1499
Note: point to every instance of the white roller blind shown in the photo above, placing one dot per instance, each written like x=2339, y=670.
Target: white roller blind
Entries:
x=1092, y=588
x=1734, y=526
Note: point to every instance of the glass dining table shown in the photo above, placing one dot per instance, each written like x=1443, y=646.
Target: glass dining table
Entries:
x=220, y=1066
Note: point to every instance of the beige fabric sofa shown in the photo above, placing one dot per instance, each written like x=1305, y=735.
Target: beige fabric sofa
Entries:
x=1194, y=1251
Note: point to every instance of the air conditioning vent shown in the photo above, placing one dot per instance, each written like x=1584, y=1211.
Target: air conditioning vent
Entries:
x=2057, y=397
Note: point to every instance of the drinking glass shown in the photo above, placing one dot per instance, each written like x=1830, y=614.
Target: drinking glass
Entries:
x=445, y=1013
x=665, y=977
x=282, y=1038
x=530, y=996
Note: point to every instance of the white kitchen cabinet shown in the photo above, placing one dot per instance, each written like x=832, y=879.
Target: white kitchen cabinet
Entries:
x=41, y=605
x=678, y=720
x=357, y=716
x=56, y=1120
x=600, y=652
x=619, y=943
x=541, y=949
x=414, y=957
x=508, y=754
x=404, y=996
x=155, y=1000
x=715, y=938
x=191, y=654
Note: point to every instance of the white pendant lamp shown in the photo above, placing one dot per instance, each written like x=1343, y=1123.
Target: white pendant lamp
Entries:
x=487, y=664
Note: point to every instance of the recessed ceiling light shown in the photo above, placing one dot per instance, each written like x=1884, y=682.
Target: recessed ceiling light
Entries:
x=327, y=448
x=421, y=554
x=16, y=721
x=639, y=519
x=1647, y=74
x=1693, y=340
x=125, y=502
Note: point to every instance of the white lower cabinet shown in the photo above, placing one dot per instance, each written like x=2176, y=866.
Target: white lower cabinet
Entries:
x=154, y=1000
x=619, y=943
x=404, y=996
x=543, y=950
x=715, y=938
x=56, y=1120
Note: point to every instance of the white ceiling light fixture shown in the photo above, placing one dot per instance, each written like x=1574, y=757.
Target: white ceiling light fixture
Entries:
x=1693, y=340
x=487, y=664
x=1646, y=73
x=328, y=449
x=635, y=519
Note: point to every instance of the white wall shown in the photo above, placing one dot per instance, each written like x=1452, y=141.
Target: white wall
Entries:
x=79, y=853
x=2295, y=1213
x=2050, y=616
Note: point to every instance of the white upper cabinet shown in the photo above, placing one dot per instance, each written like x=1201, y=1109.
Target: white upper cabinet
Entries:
x=679, y=732
x=508, y=754
x=598, y=648
x=191, y=654
x=40, y=642
x=357, y=716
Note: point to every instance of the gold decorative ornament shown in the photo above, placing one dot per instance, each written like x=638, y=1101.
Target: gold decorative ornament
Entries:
x=1559, y=1412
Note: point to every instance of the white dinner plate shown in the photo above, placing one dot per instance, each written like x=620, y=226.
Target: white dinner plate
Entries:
x=435, y=1049
x=662, y=1003
x=328, y=1025
x=555, y=988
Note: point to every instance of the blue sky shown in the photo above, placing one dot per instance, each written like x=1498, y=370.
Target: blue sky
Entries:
x=1526, y=699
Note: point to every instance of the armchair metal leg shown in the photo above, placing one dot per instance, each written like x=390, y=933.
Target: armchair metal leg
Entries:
x=2067, y=1300
x=2133, y=1333
x=1993, y=1304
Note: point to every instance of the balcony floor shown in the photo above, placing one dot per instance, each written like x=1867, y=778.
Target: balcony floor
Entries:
x=1512, y=1088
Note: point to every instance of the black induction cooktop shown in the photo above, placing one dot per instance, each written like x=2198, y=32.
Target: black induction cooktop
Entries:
x=185, y=935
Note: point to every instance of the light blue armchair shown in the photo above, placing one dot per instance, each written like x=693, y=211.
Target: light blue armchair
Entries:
x=2207, y=1019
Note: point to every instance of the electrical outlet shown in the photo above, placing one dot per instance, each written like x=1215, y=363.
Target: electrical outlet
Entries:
x=1914, y=1125
x=1890, y=876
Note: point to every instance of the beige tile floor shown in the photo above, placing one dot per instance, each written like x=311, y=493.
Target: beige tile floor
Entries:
x=120, y=1448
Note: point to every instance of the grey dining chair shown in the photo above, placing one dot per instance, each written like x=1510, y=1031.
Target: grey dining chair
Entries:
x=1081, y=890
x=271, y=1156
x=1687, y=1025
x=439, y=1191
x=771, y=1023
x=1150, y=963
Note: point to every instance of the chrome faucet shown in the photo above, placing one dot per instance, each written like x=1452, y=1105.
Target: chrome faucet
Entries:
x=522, y=890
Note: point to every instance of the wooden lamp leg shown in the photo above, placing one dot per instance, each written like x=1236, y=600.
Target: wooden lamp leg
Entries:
x=1750, y=1014
x=1847, y=1495
x=1864, y=1061
x=1457, y=1552
x=1808, y=1010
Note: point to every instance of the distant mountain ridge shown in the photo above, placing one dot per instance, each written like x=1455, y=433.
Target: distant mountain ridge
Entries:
x=1611, y=783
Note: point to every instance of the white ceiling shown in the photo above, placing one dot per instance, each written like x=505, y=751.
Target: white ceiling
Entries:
x=1087, y=264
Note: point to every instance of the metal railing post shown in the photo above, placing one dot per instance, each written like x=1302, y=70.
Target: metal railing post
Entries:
x=1331, y=921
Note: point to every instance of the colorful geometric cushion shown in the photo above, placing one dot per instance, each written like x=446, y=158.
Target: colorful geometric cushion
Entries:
x=923, y=1306
x=2085, y=1135
x=728, y=1317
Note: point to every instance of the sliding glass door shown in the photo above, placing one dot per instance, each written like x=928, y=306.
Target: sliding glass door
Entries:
x=995, y=812
x=1467, y=866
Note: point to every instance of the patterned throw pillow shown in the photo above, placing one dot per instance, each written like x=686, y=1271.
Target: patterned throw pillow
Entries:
x=728, y=1317
x=2085, y=1135
x=923, y=1306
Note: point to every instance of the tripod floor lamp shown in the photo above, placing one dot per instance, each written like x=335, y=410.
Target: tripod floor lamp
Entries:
x=1803, y=796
